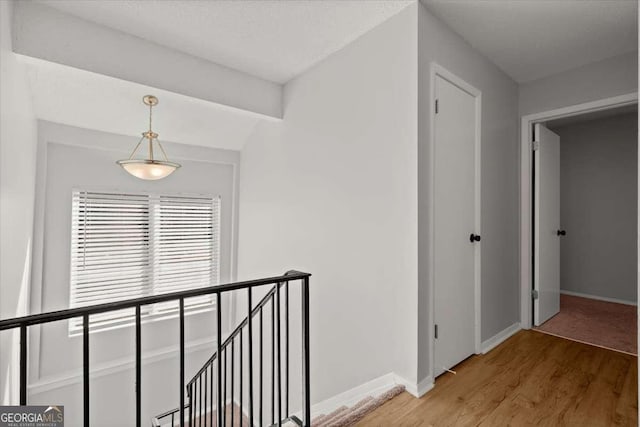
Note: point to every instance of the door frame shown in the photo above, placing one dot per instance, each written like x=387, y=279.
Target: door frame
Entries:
x=526, y=170
x=437, y=70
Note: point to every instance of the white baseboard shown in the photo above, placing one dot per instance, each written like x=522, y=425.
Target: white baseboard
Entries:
x=373, y=388
x=499, y=338
x=417, y=390
x=425, y=386
x=607, y=299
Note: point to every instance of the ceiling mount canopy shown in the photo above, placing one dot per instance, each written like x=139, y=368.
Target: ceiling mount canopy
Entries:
x=149, y=168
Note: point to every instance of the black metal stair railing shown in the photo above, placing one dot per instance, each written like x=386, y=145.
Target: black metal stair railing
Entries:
x=200, y=405
x=217, y=376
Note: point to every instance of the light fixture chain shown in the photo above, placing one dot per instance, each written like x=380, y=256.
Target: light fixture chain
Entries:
x=163, y=152
x=150, y=132
x=136, y=149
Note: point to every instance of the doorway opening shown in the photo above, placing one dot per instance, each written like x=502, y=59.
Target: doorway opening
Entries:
x=582, y=223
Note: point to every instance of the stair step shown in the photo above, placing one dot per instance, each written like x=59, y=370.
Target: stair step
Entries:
x=289, y=422
x=348, y=416
x=332, y=416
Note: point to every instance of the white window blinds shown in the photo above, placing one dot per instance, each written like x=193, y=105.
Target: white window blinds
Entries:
x=131, y=245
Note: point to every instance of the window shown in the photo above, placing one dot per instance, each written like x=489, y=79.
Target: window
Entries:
x=126, y=246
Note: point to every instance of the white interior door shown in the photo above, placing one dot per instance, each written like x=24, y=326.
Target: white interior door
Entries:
x=546, y=275
x=455, y=224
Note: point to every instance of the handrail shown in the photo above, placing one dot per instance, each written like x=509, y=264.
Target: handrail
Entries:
x=52, y=316
x=155, y=421
x=172, y=411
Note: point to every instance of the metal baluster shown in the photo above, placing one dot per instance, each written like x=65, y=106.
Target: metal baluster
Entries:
x=138, y=369
x=191, y=403
x=286, y=363
x=182, y=363
x=206, y=383
x=240, y=368
x=232, y=375
x=211, y=393
x=23, y=365
x=250, y=328
x=85, y=367
x=226, y=372
x=306, y=393
x=279, y=353
x=273, y=360
x=218, y=359
x=261, y=374
x=200, y=396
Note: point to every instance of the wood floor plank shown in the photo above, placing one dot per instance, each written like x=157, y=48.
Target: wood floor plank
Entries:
x=627, y=405
x=531, y=379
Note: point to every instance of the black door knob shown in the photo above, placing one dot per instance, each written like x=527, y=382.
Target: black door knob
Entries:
x=562, y=233
x=474, y=238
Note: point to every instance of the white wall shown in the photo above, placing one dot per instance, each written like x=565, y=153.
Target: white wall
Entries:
x=500, y=194
x=18, y=141
x=591, y=82
x=332, y=190
x=599, y=206
x=71, y=158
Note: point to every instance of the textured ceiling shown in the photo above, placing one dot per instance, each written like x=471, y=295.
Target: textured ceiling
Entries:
x=531, y=39
x=273, y=39
x=83, y=99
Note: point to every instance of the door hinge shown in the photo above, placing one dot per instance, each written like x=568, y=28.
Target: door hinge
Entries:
x=437, y=106
x=534, y=294
x=436, y=332
x=535, y=145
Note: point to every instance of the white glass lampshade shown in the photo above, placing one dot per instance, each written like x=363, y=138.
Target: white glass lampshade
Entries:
x=149, y=169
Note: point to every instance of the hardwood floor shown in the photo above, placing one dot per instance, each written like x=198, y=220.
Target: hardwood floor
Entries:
x=532, y=379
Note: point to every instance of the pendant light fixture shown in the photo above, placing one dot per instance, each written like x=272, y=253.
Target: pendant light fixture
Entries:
x=149, y=168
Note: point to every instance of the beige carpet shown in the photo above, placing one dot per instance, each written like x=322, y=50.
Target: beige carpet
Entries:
x=210, y=419
x=344, y=416
x=341, y=417
x=604, y=324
